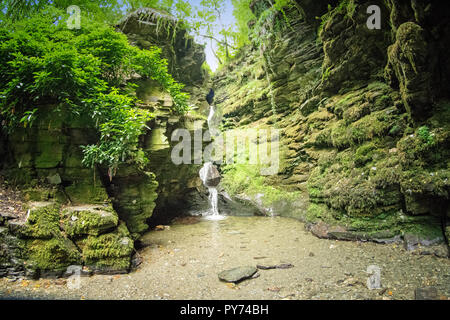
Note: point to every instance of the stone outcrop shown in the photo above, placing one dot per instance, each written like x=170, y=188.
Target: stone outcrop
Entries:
x=148, y=27
x=91, y=217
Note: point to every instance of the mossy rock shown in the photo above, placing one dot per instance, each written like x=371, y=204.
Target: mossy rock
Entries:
x=44, y=194
x=84, y=186
x=21, y=176
x=108, y=252
x=88, y=220
x=42, y=222
x=50, y=154
x=55, y=254
x=134, y=195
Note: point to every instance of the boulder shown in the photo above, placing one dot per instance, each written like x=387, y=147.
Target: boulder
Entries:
x=209, y=175
x=88, y=220
x=237, y=274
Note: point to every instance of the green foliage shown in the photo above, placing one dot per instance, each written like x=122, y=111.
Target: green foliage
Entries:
x=43, y=63
x=243, y=16
x=120, y=126
x=105, y=11
x=424, y=134
x=54, y=254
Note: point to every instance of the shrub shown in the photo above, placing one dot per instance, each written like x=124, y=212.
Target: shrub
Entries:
x=44, y=63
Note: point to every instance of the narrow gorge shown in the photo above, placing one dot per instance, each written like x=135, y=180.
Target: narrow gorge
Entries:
x=319, y=148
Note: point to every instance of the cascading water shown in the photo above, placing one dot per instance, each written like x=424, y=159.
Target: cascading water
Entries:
x=210, y=175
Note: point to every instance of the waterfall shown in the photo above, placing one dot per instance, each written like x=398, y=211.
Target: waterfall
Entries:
x=210, y=175
x=206, y=175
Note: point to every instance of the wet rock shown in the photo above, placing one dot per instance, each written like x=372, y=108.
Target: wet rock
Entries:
x=136, y=260
x=276, y=266
x=210, y=175
x=410, y=241
x=426, y=293
x=238, y=206
x=5, y=216
x=325, y=231
x=237, y=274
x=440, y=251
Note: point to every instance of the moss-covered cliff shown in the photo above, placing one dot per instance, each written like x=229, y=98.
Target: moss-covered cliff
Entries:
x=91, y=217
x=364, y=116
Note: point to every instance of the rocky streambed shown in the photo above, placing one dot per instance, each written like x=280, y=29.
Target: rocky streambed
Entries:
x=182, y=261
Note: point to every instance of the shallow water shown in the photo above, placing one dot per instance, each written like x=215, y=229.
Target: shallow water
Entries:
x=182, y=262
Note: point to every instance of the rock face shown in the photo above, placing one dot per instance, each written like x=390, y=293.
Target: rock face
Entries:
x=363, y=115
x=177, y=184
x=82, y=216
x=148, y=27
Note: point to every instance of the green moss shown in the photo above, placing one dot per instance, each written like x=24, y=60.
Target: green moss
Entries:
x=386, y=224
x=44, y=194
x=424, y=134
x=376, y=124
x=54, y=254
x=246, y=179
x=112, y=249
x=319, y=212
x=50, y=154
x=88, y=220
x=83, y=186
x=43, y=221
x=364, y=154
x=346, y=7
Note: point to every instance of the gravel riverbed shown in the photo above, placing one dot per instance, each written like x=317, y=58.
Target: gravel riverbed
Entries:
x=183, y=261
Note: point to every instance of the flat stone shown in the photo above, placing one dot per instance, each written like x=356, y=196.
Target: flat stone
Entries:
x=275, y=266
x=7, y=215
x=426, y=293
x=237, y=274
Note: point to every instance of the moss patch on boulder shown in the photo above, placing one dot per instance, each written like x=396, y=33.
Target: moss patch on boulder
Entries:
x=108, y=252
x=42, y=222
x=55, y=254
x=88, y=220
